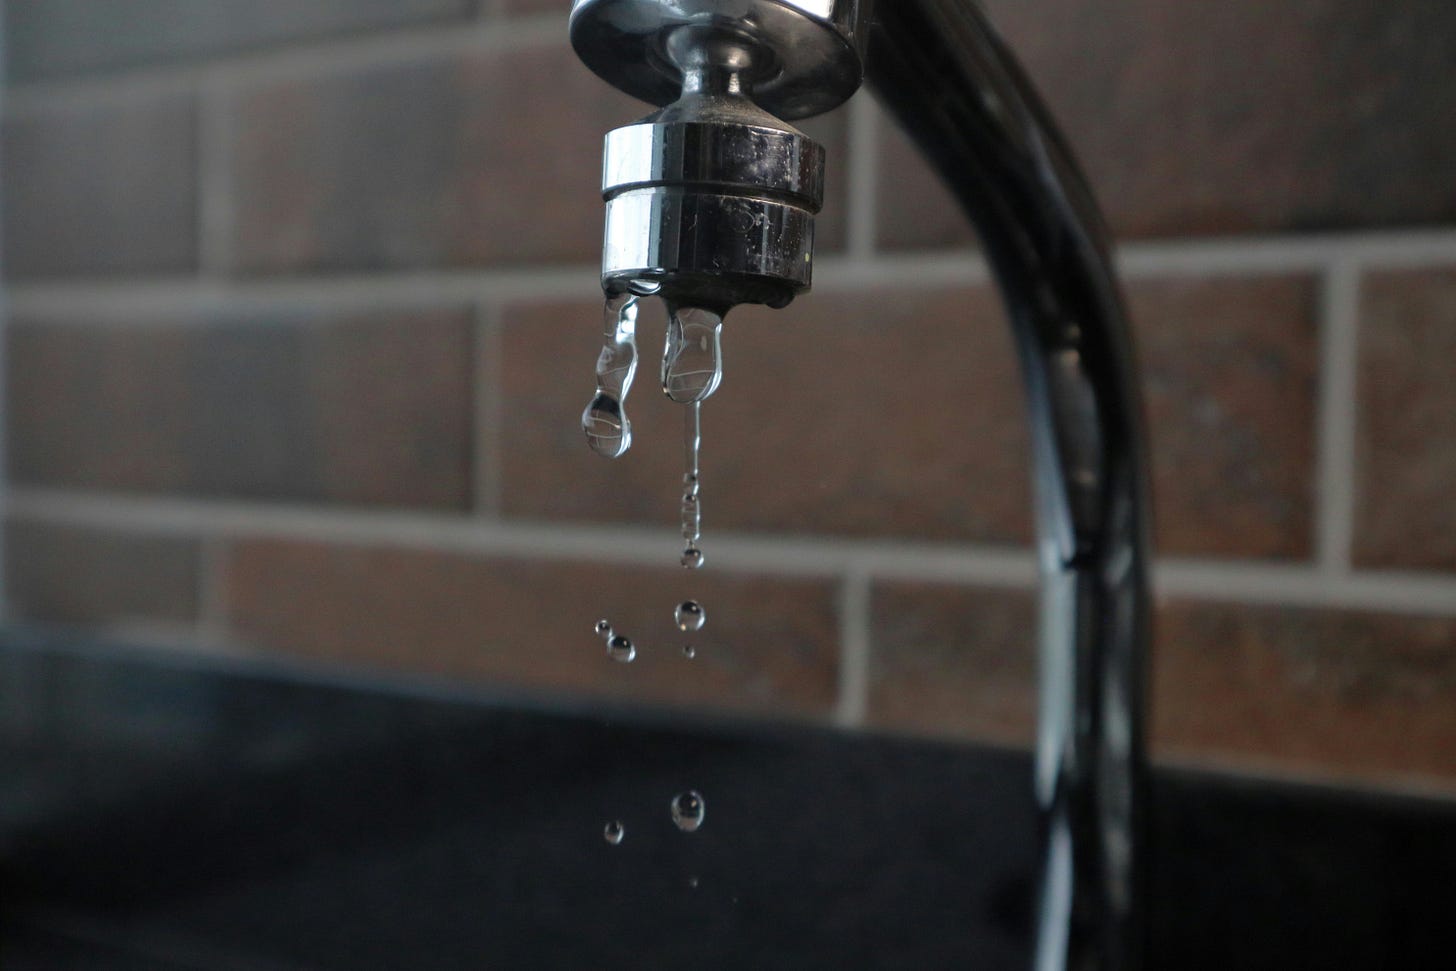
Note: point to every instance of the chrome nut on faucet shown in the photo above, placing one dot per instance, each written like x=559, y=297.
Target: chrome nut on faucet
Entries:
x=710, y=200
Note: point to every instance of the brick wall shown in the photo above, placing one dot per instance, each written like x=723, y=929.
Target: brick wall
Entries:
x=302, y=314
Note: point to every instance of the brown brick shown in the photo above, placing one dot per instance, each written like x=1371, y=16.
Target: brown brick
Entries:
x=769, y=645
x=899, y=414
x=1406, y=509
x=1229, y=371
x=872, y=414
x=1335, y=693
x=477, y=159
x=100, y=188
x=1329, y=115
x=490, y=157
x=952, y=661
x=55, y=38
x=1324, y=691
x=80, y=575
x=288, y=405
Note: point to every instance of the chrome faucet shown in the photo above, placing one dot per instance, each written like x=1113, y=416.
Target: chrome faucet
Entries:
x=711, y=204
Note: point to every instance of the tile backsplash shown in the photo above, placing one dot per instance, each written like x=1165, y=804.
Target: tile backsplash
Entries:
x=302, y=311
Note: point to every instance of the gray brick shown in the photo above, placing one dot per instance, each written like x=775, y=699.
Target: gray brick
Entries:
x=100, y=188
x=56, y=38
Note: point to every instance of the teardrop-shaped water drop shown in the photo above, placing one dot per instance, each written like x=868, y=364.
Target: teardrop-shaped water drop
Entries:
x=688, y=810
x=608, y=430
x=614, y=832
x=692, y=361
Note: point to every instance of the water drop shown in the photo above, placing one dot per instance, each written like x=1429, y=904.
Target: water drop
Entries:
x=692, y=558
x=689, y=651
x=608, y=430
x=621, y=649
x=690, y=616
x=614, y=832
x=693, y=882
x=688, y=810
x=692, y=361
x=604, y=629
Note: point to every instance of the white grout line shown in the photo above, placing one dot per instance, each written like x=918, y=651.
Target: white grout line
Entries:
x=312, y=57
x=1287, y=254
x=863, y=166
x=107, y=303
x=1337, y=417
x=1307, y=586
x=818, y=557
x=1236, y=581
x=946, y=268
x=487, y=412
x=854, y=652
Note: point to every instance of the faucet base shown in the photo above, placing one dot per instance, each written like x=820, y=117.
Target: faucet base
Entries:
x=813, y=49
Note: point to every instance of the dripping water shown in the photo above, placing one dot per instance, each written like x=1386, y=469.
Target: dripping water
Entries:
x=692, y=360
x=619, y=648
x=692, y=369
x=692, y=505
x=608, y=430
x=689, y=616
x=688, y=810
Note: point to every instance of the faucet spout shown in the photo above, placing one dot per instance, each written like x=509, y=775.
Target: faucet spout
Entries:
x=711, y=204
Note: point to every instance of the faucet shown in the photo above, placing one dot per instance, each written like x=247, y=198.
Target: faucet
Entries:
x=711, y=204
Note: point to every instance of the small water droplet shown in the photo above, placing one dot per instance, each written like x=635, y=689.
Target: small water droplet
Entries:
x=693, y=882
x=692, y=558
x=604, y=629
x=621, y=649
x=690, y=616
x=689, y=651
x=614, y=832
x=688, y=810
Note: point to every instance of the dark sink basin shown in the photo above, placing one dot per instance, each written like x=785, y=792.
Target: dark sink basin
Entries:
x=160, y=812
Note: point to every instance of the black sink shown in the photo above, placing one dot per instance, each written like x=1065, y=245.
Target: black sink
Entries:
x=163, y=812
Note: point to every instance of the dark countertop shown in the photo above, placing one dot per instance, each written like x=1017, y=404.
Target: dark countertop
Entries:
x=160, y=811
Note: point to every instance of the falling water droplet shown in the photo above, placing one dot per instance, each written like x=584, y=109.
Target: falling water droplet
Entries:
x=621, y=649
x=688, y=810
x=608, y=430
x=692, y=558
x=692, y=360
x=693, y=882
x=614, y=832
x=604, y=629
x=690, y=616
x=689, y=651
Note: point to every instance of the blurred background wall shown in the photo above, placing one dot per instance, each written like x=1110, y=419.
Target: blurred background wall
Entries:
x=302, y=312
